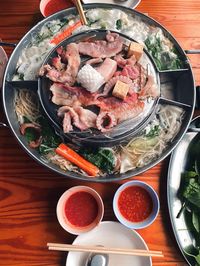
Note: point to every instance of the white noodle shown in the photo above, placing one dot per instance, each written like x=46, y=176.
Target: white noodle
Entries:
x=142, y=149
x=26, y=105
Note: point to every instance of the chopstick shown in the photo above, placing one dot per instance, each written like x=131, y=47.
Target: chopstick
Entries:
x=105, y=250
x=81, y=12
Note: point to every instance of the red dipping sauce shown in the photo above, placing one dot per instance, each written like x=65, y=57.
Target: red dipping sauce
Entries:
x=135, y=204
x=81, y=209
x=49, y=7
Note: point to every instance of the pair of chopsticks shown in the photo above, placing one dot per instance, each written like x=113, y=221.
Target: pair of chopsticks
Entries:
x=80, y=11
x=104, y=250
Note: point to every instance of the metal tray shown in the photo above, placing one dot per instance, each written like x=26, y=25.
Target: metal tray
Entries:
x=177, y=166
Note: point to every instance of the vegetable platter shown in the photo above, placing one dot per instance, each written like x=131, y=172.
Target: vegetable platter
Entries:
x=183, y=192
x=148, y=145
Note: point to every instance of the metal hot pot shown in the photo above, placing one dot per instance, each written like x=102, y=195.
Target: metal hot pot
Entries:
x=183, y=82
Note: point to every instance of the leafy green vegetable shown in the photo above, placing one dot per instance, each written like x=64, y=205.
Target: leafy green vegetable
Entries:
x=31, y=135
x=119, y=24
x=192, y=193
x=196, y=221
x=21, y=76
x=163, y=59
x=64, y=21
x=153, y=132
x=189, y=174
x=197, y=166
x=49, y=139
x=196, y=257
x=189, y=193
x=102, y=158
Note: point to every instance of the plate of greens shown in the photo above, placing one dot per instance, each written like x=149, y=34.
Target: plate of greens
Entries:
x=183, y=191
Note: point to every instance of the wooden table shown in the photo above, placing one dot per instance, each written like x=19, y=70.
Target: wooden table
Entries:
x=29, y=192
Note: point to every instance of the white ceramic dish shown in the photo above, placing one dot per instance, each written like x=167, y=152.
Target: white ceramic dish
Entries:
x=111, y=234
x=127, y=3
x=3, y=62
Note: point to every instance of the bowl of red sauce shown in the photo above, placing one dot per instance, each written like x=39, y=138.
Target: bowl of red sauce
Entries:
x=49, y=7
x=80, y=209
x=136, y=204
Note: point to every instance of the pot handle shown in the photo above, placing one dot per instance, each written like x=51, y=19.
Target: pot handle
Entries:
x=8, y=44
x=197, y=105
x=192, y=51
x=194, y=125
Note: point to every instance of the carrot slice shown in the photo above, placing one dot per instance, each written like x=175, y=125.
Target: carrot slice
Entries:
x=72, y=156
x=65, y=33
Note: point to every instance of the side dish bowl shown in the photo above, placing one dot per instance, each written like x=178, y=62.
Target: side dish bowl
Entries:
x=80, y=209
x=136, y=204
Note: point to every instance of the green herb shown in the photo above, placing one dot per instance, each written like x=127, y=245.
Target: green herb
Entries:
x=196, y=257
x=163, y=59
x=49, y=139
x=40, y=38
x=119, y=24
x=189, y=193
x=26, y=120
x=196, y=221
x=102, y=158
x=21, y=76
x=153, y=132
x=192, y=192
x=63, y=22
x=31, y=135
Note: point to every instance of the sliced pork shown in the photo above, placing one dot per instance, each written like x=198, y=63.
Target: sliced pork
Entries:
x=109, y=48
x=78, y=116
x=111, y=83
x=71, y=96
x=58, y=73
x=114, y=111
x=150, y=89
x=107, y=69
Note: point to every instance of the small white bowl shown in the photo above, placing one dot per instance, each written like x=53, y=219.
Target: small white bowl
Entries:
x=152, y=216
x=65, y=223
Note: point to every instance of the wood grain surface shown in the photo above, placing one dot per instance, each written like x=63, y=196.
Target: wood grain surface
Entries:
x=29, y=192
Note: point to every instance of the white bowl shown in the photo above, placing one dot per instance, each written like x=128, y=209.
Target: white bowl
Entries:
x=65, y=223
x=152, y=216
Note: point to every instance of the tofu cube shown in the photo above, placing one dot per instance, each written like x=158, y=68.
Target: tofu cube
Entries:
x=135, y=49
x=120, y=90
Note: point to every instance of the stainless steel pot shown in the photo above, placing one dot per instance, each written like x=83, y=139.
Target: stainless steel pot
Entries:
x=184, y=94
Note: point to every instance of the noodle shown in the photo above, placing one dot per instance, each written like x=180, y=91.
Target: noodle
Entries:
x=141, y=150
x=26, y=105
